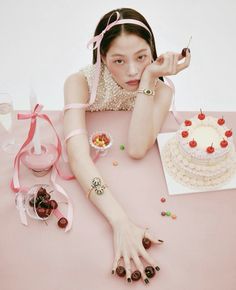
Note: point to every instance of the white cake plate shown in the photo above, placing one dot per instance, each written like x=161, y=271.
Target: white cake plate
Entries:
x=173, y=186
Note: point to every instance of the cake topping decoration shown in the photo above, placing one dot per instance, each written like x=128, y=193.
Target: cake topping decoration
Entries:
x=228, y=133
x=210, y=149
x=201, y=116
x=223, y=143
x=184, y=134
x=193, y=143
x=187, y=123
x=221, y=121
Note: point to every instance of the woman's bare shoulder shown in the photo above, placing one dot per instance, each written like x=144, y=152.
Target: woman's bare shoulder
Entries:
x=76, y=88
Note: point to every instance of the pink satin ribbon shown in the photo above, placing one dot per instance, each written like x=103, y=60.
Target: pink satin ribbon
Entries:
x=15, y=183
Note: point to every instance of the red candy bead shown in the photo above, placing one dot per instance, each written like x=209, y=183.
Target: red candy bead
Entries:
x=62, y=223
x=163, y=213
x=163, y=199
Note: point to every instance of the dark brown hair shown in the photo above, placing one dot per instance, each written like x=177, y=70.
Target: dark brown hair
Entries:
x=110, y=35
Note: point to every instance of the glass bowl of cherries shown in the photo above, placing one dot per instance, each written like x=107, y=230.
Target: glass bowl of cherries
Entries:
x=39, y=204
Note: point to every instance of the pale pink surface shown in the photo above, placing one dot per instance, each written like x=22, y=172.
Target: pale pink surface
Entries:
x=199, y=248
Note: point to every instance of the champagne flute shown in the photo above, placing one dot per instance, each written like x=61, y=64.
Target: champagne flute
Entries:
x=9, y=144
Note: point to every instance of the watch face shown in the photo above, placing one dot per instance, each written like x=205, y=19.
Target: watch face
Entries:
x=148, y=92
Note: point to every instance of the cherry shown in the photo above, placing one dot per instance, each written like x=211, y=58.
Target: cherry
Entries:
x=120, y=271
x=223, y=143
x=41, y=192
x=201, y=116
x=41, y=212
x=228, y=133
x=146, y=243
x=192, y=143
x=136, y=275
x=150, y=271
x=53, y=204
x=187, y=123
x=184, y=134
x=221, y=121
x=184, y=51
x=62, y=223
x=210, y=149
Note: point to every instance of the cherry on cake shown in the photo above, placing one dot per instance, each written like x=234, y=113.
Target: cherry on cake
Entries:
x=202, y=153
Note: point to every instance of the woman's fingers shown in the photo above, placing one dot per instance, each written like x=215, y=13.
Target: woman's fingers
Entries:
x=186, y=62
x=140, y=267
x=149, y=259
x=152, y=238
x=127, y=267
x=115, y=263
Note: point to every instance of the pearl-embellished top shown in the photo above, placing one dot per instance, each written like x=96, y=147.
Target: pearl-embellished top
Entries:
x=110, y=96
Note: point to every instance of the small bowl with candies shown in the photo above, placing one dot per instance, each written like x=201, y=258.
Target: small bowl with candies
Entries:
x=101, y=142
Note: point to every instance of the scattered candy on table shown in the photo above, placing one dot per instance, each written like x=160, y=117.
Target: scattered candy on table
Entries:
x=115, y=163
x=122, y=147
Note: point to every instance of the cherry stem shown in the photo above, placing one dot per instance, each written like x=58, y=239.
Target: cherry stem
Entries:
x=189, y=41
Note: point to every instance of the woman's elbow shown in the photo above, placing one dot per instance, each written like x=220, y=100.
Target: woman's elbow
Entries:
x=136, y=153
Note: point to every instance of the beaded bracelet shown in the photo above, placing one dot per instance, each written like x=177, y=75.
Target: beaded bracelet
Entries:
x=97, y=186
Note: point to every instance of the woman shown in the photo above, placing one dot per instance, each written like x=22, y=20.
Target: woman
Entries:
x=126, y=75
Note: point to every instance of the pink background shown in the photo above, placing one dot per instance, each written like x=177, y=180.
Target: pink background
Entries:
x=198, y=252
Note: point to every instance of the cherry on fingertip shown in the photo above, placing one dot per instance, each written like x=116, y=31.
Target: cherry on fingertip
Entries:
x=146, y=243
x=184, y=51
x=150, y=272
x=120, y=271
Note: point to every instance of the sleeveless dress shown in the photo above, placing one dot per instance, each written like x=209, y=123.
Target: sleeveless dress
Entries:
x=110, y=96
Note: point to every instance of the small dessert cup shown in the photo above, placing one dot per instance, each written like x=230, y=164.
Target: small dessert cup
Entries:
x=101, y=142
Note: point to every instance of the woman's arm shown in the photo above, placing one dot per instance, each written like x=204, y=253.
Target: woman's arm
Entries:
x=150, y=111
x=147, y=118
x=127, y=236
x=76, y=91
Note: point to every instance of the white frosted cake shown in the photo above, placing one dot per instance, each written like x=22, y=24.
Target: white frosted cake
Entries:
x=202, y=153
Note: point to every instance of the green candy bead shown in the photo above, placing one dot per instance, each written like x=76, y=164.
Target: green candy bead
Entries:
x=122, y=147
x=168, y=213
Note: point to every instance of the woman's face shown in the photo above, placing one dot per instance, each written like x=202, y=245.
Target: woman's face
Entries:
x=126, y=60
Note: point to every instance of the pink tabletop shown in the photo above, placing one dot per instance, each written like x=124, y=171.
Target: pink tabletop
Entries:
x=198, y=252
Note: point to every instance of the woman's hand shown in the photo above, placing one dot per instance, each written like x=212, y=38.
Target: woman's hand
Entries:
x=128, y=246
x=167, y=64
